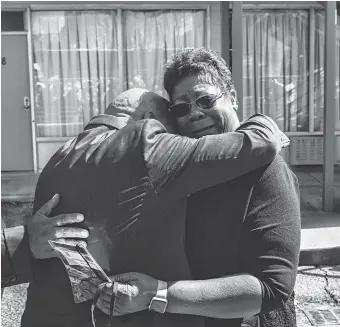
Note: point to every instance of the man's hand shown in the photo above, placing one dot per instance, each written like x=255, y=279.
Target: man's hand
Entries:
x=285, y=141
x=41, y=229
x=280, y=139
x=134, y=292
x=283, y=137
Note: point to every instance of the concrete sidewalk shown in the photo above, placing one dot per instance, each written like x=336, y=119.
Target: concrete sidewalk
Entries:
x=18, y=186
x=320, y=238
x=318, y=290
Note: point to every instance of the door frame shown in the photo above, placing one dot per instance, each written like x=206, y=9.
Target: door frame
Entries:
x=28, y=34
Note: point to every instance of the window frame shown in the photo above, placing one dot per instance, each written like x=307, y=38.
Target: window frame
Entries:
x=311, y=7
x=119, y=8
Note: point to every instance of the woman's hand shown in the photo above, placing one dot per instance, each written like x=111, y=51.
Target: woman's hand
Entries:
x=134, y=292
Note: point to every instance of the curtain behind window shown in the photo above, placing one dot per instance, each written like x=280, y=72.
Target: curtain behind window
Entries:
x=76, y=60
x=152, y=37
x=275, y=67
x=319, y=72
x=76, y=68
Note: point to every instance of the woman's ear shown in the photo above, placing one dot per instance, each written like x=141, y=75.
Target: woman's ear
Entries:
x=233, y=99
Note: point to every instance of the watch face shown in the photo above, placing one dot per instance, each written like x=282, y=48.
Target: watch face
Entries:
x=158, y=305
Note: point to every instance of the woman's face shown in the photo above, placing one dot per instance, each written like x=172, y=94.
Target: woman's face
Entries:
x=197, y=122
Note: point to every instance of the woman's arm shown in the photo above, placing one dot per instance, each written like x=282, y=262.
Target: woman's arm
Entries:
x=270, y=246
x=180, y=166
x=228, y=297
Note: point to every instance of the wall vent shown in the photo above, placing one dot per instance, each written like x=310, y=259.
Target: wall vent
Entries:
x=307, y=150
x=323, y=317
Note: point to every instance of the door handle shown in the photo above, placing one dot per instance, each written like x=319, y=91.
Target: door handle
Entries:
x=27, y=105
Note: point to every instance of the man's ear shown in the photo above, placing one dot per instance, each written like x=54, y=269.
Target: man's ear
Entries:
x=149, y=115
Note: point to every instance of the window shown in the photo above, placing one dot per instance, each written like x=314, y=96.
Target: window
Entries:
x=77, y=56
x=12, y=21
x=75, y=68
x=276, y=67
x=319, y=71
x=152, y=37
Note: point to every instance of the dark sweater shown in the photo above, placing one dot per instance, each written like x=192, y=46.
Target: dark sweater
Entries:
x=249, y=225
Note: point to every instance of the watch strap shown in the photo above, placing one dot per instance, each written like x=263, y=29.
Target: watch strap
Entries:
x=162, y=290
x=159, y=302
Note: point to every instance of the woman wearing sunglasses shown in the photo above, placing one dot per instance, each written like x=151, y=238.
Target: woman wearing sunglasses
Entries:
x=242, y=237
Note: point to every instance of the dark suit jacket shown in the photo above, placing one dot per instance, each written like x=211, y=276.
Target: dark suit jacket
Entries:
x=131, y=184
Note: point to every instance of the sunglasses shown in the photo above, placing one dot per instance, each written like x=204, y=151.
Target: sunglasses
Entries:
x=204, y=102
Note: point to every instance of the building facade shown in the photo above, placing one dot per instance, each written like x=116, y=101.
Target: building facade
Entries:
x=64, y=62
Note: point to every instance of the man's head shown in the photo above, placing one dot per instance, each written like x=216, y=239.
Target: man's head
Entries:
x=202, y=78
x=136, y=104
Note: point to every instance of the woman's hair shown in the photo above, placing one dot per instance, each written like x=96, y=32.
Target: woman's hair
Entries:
x=202, y=63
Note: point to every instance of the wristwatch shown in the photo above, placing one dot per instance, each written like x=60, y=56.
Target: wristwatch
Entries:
x=159, y=302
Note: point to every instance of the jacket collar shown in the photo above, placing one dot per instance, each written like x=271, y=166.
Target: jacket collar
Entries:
x=108, y=120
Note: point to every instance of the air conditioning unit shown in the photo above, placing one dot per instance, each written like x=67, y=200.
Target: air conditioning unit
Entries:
x=307, y=150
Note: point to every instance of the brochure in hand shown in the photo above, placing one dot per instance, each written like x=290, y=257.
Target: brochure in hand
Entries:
x=80, y=265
